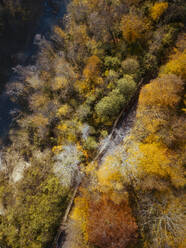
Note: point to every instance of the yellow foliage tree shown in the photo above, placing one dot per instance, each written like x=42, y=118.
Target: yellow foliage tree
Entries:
x=56, y=149
x=133, y=27
x=83, y=86
x=80, y=212
x=92, y=79
x=176, y=65
x=162, y=92
x=158, y=9
x=64, y=111
x=154, y=159
x=59, y=83
x=67, y=131
x=109, y=174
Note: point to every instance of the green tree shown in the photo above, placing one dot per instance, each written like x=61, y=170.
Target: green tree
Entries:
x=110, y=105
x=126, y=86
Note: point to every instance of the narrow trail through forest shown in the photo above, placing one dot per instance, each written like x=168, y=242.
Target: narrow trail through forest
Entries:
x=120, y=130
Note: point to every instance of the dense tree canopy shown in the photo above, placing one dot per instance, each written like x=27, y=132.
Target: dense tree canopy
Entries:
x=99, y=57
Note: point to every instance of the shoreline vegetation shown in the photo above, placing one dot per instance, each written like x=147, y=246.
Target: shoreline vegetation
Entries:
x=97, y=58
x=17, y=21
x=23, y=24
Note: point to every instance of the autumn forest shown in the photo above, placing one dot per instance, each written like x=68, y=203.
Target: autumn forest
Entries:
x=95, y=155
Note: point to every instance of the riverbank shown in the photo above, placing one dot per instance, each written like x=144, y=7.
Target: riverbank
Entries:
x=16, y=34
x=23, y=51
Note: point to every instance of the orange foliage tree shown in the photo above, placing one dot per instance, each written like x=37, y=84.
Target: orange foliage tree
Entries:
x=92, y=67
x=109, y=224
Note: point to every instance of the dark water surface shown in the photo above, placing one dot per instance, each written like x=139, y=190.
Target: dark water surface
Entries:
x=53, y=12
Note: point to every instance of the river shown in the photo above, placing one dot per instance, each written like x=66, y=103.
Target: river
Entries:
x=52, y=13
